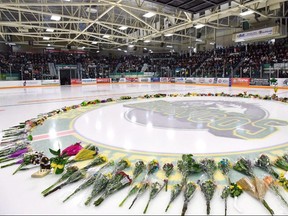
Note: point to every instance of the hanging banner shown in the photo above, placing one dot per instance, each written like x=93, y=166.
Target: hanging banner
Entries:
x=260, y=33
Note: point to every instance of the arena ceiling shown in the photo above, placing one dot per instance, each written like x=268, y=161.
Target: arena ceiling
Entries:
x=116, y=24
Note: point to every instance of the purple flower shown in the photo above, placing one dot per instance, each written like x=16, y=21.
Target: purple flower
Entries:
x=19, y=153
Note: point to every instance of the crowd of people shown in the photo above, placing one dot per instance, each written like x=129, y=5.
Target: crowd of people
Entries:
x=239, y=61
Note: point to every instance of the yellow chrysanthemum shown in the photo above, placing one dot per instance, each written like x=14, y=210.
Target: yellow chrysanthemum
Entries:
x=103, y=157
x=108, y=175
x=127, y=161
x=60, y=166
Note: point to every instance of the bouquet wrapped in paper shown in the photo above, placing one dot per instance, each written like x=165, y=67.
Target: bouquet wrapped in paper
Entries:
x=168, y=169
x=14, y=155
x=156, y=187
x=208, y=188
x=281, y=163
x=142, y=189
x=263, y=162
x=256, y=188
x=75, y=177
x=189, y=191
x=98, y=160
x=69, y=171
x=119, y=180
x=86, y=153
x=271, y=183
x=244, y=166
x=175, y=192
x=225, y=166
x=283, y=181
x=209, y=167
x=138, y=169
x=131, y=192
x=188, y=166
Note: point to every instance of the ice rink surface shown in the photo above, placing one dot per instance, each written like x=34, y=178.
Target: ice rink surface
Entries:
x=164, y=128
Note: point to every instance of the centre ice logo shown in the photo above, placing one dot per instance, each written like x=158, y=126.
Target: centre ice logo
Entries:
x=231, y=119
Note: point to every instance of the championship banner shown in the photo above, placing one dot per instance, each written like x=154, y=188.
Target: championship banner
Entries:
x=240, y=82
x=103, y=80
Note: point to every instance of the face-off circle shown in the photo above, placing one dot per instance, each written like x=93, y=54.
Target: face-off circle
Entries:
x=201, y=125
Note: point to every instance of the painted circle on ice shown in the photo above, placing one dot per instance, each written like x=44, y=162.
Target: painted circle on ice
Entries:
x=205, y=125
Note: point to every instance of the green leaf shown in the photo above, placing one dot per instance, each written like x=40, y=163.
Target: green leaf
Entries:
x=57, y=153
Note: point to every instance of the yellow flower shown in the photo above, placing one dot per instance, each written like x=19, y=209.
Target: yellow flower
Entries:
x=60, y=166
x=239, y=187
x=53, y=164
x=127, y=161
x=103, y=157
x=108, y=175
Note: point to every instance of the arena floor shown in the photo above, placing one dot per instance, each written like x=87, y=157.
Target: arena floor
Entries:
x=145, y=129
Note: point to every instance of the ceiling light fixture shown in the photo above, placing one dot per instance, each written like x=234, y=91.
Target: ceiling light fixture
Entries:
x=46, y=38
x=94, y=42
x=147, y=41
x=106, y=36
x=168, y=34
x=245, y=13
x=55, y=17
x=49, y=30
x=198, y=26
x=149, y=15
x=123, y=28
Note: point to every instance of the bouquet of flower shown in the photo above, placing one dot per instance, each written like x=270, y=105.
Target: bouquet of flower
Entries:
x=138, y=169
x=283, y=181
x=29, y=158
x=91, y=180
x=17, y=154
x=209, y=167
x=189, y=190
x=176, y=190
x=155, y=189
x=142, y=188
x=244, y=166
x=86, y=153
x=76, y=176
x=71, y=150
x=224, y=165
x=256, y=188
x=188, y=166
x=285, y=157
x=58, y=162
x=153, y=166
x=118, y=181
x=272, y=185
x=12, y=149
x=84, y=185
x=99, y=185
x=121, y=165
x=263, y=162
x=281, y=163
x=69, y=171
x=133, y=191
x=168, y=169
x=225, y=194
x=99, y=159
x=208, y=188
